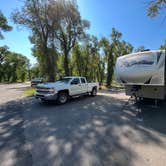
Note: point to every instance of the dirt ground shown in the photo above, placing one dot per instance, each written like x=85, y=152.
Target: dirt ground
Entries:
x=105, y=130
x=9, y=92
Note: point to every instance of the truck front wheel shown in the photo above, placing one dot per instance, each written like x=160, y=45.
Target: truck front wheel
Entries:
x=62, y=98
x=94, y=92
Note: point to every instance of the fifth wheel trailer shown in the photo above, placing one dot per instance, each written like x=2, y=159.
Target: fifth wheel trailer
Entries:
x=143, y=74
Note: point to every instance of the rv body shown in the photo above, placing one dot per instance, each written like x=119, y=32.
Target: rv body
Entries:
x=142, y=74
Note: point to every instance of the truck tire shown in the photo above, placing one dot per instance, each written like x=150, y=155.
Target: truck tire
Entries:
x=62, y=98
x=94, y=92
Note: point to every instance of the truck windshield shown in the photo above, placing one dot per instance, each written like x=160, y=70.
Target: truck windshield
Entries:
x=64, y=80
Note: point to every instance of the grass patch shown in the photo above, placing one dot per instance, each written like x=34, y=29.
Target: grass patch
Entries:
x=29, y=91
x=115, y=84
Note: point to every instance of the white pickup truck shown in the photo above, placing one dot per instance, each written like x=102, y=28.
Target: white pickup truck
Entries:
x=65, y=88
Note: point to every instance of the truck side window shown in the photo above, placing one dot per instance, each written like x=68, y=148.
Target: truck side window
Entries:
x=83, y=80
x=75, y=81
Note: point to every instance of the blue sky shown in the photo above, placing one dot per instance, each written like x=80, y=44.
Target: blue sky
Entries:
x=129, y=17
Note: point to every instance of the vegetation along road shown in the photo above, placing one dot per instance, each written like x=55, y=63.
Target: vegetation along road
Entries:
x=101, y=130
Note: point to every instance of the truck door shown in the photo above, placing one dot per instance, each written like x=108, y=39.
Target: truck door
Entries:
x=75, y=87
x=84, y=85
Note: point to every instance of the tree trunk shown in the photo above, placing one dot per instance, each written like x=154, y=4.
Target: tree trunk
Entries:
x=1, y=73
x=66, y=63
x=49, y=67
x=110, y=70
x=108, y=75
x=29, y=74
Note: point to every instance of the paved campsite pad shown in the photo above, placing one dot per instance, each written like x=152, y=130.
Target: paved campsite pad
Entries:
x=101, y=130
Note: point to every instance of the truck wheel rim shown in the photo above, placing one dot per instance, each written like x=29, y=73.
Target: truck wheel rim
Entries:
x=63, y=99
x=94, y=92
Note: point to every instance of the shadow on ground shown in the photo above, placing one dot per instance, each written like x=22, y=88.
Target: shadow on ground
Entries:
x=13, y=148
x=86, y=131
x=153, y=116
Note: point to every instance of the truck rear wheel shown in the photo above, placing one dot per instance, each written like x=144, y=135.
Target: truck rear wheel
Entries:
x=94, y=92
x=62, y=98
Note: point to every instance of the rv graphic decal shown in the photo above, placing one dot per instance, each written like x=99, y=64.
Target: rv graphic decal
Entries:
x=143, y=68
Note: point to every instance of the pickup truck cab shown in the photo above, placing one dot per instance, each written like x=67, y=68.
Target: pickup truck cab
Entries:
x=65, y=88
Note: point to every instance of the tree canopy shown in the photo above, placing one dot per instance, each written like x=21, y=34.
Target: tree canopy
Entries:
x=13, y=66
x=55, y=27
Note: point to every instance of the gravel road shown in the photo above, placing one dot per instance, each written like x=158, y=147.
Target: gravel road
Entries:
x=9, y=92
x=89, y=131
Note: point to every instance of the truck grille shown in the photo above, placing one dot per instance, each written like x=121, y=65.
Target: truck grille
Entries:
x=42, y=90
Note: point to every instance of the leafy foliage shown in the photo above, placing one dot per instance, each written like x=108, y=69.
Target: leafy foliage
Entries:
x=70, y=29
x=163, y=46
x=14, y=67
x=55, y=27
x=3, y=25
x=155, y=6
x=112, y=50
x=92, y=58
x=140, y=49
x=39, y=17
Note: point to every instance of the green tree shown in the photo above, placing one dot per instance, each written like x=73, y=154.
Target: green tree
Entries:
x=113, y=49
x=155, y=6
x=124, y=48
x=70, y=29
x=163, y=46
x=108, y=51
x=15, y=67
x=77, y=60
x=87, y=61
x=38, y=16
x=55, y=27
x=95, y=59
x=140, y=49
x=22, y=68
x=3, y=52
x=35, y=71
x=3, y=25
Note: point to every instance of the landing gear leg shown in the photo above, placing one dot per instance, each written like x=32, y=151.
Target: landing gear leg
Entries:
x=156, y=103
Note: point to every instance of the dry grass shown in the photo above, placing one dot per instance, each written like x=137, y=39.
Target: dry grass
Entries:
x=29, y=91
